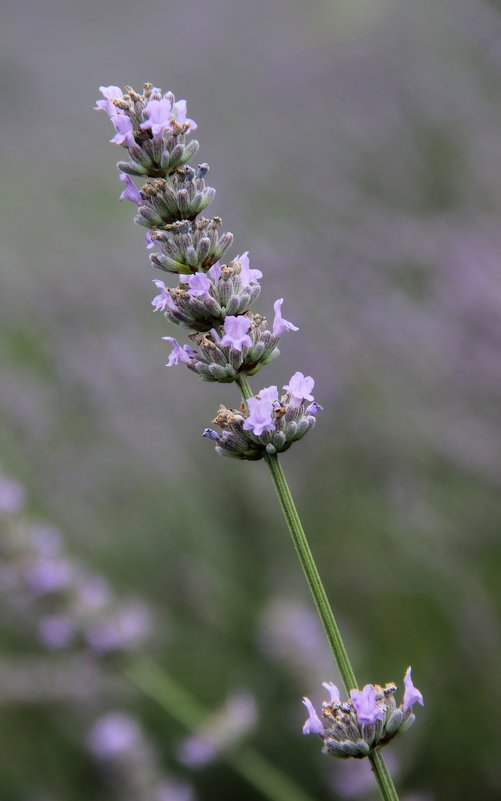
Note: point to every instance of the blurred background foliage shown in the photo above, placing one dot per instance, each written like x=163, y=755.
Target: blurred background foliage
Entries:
x=355, y=148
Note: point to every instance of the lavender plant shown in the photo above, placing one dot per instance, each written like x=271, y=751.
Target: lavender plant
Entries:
x=228, y=343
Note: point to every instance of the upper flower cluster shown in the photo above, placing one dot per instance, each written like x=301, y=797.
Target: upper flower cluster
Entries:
x=369, y=720
x=227, y=341
x=151, y=126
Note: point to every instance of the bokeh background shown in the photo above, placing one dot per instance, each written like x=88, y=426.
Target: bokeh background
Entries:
x=356, y=151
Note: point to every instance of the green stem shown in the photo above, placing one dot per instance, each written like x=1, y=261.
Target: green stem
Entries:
x=378, y=765
x=180, y=704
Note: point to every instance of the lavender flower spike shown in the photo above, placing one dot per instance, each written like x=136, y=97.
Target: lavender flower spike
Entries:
x=366, y=705
x=313, y=725
x=179, y=355
x=412, y=694
x=280, y=326
x=260, y=416
x=235, y=332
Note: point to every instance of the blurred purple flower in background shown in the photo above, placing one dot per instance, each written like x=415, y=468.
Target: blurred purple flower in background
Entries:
x=223, y=730
x=115, y=735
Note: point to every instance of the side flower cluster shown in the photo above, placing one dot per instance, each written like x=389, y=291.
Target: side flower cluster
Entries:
x=226, y=341
x=266, y=424
x=368, y=720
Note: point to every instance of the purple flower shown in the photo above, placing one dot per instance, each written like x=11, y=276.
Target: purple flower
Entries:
x=179, y=354
x=235, y=332
x=49, y=575
x=197, y=751
x=115, y=735
x=180, y=110
x=314, y=408
x=247, y=276
x=280, y=326
x=333, y=691
x=260, y=416
x=366, y=705
x=110, y=93
x=162, y=301
x=123, y=127
x=199, y=284
x=299, y=388
x=160, y=115
x=161, y=112
x=215, y=272
x=313, y=725
x=131, y=192
x=148, y=240
x=412, y=694
x=126, y=629
x=269, y=394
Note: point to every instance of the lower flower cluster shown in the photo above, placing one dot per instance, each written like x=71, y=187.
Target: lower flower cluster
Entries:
x=266, y=424
x=368, y=720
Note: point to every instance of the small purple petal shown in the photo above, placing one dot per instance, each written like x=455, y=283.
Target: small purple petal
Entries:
x=235, y=332
x=412, y=694
x=313, y=725
x=148, y=241
x=299, y=388
x=124, y=134
x=260, y=417
x=162, y=301
x=247, y=276
x=159, y=115
x=269, y=394
x=314, y=408
x=366, y=705
x=110, y=93
x=199, y=284
x=179, y=355
x=215, y=272
x=131, y=192
x=333, y=691
x=180, y=111
x=280, y=326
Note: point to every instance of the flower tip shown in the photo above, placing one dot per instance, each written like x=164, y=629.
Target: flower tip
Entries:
x=313, y=724
x=411, y=695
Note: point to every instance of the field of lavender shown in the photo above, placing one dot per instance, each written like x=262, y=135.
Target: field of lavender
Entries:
x=157, y=635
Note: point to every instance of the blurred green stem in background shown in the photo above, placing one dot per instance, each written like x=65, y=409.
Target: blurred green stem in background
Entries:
x=378, y=765
x=175, y=699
